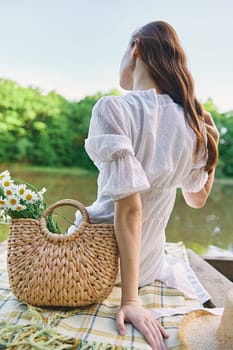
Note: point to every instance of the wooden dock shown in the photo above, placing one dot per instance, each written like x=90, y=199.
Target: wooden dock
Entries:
x=222, y=264
x=214, y=281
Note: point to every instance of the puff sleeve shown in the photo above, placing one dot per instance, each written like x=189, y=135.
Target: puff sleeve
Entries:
x=110, y=148
x=197, y=177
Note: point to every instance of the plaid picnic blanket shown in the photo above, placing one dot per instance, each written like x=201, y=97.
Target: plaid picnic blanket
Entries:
x=91, y=327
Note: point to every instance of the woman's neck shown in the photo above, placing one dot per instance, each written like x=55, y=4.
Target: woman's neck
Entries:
x=142, y=79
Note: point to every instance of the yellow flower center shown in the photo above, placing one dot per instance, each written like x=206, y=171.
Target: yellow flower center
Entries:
x=8, y=192
x=13, y=201
x=18, y=208
x=2, y=202
x=28, y=197
x=6, y=183
x=21, y=191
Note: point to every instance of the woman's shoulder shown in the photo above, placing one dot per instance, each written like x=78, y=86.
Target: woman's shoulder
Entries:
x=108, y=103
x=128, y=99
x=116, y=110
x=133, y=106
x=110, y=114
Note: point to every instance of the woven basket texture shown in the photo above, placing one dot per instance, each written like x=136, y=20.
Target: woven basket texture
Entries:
x=47, y=269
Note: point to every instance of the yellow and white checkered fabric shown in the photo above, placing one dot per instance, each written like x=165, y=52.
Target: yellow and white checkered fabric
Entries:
x=94, y=325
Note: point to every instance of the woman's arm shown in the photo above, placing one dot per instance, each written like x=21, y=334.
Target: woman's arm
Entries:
x=128, y=234
x=198, y=199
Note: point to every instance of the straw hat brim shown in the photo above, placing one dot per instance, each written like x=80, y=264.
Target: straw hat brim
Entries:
x=198, y=330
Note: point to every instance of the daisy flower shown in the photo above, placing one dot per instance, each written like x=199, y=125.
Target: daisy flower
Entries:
x=42, y=206
x=19, y=207
x=4, y=174
x=30, y=196
x=9, y=191
x=41, y=192
x=6, y=182
x=12, y=202
x=2, y=202
x=20, y=190
x=4, y=218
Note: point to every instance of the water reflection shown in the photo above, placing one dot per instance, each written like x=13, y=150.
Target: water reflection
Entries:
x=209, y=226
x=199, y=229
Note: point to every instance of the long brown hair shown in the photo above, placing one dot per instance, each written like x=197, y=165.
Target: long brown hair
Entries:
x=160, y=50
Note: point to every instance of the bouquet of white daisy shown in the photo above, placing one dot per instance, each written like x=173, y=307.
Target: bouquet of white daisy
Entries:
x=19, y=201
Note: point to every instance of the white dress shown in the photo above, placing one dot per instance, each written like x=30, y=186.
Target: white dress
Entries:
x=141, y=142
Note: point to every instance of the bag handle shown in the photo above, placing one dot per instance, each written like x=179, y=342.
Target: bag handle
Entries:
x=71, y=203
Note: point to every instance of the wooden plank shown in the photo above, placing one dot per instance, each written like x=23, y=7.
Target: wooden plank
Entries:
x=215, y=283
x=222, y=264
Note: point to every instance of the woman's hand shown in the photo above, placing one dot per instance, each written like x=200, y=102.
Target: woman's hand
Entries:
x=212, y=144
x=211, y=127
x=143, y=321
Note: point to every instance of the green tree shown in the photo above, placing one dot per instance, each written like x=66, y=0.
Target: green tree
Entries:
x=47, y=129
x=43, y=129
x=224, y=123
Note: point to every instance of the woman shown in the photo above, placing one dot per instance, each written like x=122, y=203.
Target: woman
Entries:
x=146, y=144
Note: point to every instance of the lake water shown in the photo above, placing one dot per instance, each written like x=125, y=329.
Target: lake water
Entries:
x=208, y=231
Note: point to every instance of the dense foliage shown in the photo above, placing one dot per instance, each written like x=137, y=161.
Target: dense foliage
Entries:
x=47, y=129
x=224, y=122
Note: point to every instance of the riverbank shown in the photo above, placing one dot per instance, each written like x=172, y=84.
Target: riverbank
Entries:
x=71, y=171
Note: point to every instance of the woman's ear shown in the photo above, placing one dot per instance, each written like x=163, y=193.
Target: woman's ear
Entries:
x=135, y=52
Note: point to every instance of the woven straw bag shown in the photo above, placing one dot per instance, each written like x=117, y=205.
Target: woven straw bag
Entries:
x=47, y=269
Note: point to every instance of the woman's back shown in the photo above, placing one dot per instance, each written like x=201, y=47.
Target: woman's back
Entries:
x=141, y=142
x=162, y=140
